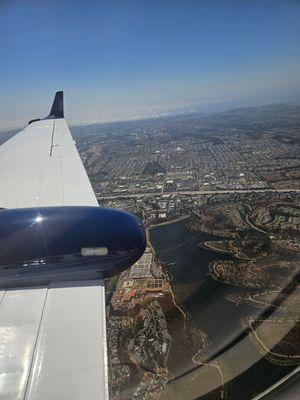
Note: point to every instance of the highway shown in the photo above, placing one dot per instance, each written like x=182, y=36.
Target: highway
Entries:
x=195, y=193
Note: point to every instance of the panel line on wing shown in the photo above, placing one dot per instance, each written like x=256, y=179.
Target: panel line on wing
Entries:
x=52, y=138
x=36, y=340
x=38, y=353
x=2, y=294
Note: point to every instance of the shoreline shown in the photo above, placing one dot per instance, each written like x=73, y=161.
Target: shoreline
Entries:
x=171, y=221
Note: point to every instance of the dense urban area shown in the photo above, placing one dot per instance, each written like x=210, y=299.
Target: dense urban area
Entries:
x=219, y=197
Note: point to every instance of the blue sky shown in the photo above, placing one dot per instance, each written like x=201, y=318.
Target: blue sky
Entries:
x=121, y=59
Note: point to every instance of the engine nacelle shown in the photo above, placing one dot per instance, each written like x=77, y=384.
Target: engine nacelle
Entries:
x=43, y=245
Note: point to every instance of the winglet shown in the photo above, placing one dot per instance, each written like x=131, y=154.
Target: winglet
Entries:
x=57, y=110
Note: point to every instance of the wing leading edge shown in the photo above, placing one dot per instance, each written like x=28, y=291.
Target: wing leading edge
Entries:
x=52, y=338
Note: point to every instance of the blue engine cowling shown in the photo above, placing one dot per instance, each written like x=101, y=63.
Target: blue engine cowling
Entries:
x=50, y=244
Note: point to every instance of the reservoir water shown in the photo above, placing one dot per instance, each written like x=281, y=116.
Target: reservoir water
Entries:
x=205, y=299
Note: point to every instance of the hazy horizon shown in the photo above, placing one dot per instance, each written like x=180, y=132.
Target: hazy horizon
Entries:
x=183, y=113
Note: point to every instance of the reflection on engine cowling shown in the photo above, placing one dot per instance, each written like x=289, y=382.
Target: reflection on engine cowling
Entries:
x=43, y=245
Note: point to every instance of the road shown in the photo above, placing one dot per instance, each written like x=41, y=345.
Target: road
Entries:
x=196, y=192
x=251, y=223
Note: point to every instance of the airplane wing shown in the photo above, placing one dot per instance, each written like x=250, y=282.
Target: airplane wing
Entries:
x=40, y=166
x=52, y=337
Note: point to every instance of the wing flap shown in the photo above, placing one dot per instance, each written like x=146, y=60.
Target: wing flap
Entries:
x=53, y=342
x=20, y=312
x=71, y=345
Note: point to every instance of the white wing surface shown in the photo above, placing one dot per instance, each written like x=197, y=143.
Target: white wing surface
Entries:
x=40, y=166
x=52, y=338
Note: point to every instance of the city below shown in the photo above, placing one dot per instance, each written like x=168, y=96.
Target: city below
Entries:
x=213, y=304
